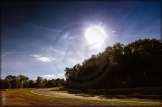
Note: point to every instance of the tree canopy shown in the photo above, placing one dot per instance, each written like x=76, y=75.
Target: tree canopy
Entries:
x=21, y=81
x=136, y=61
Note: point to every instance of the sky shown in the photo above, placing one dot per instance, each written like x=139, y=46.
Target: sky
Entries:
x=42, y=38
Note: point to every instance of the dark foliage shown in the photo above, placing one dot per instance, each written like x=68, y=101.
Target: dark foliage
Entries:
x=22, y=81
x=137, y=64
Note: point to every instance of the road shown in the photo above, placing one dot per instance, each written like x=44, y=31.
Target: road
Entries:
x=47, y=92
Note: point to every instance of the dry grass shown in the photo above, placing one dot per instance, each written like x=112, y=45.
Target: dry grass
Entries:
x=21, y=98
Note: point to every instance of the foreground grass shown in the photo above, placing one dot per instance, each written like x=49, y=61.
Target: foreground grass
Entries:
x=115, y=103
x=26, y=98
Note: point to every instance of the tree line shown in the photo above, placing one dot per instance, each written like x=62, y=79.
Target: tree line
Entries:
x=141, y=57
x=21, y=81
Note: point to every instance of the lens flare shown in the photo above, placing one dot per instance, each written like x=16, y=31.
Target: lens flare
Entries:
x=95, y=34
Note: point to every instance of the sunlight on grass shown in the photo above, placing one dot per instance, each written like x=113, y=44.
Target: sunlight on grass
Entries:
x=58, y=90
x=55, y=89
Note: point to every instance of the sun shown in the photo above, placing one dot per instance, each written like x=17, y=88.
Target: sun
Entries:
x=95, y=34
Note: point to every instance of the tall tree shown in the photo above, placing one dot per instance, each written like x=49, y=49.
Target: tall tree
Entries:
x=26, y=82
x=31, y=84
x=39, y=82
x=2, y=82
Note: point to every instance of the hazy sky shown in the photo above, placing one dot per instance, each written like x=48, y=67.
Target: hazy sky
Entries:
x=42, y=38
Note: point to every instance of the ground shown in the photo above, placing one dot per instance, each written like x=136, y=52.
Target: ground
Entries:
x=24, y=97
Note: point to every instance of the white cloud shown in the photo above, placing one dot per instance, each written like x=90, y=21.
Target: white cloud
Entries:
x=37, y=56
x=46, y=76
x=43, y=59
x=60, y=74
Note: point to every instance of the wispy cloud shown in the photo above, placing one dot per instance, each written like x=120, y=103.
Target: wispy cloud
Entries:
x=7, y=53
x=148, y=35
x=43, y=59
x=69, y=36
x=139, y=35
x=6, y=65
x=46, y=28
x=55, y=50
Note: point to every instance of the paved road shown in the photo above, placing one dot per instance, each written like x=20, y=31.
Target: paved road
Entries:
x=47, y=92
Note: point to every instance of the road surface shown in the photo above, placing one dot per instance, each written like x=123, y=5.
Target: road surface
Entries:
x=47, y=92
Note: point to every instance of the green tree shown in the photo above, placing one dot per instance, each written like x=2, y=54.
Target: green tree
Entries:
x=2, y=82
x=26, y=82
x=21, y=79
x=142, y=57
x=13, y=80
x=7, y=84
x=31, y=84
x=39, y=82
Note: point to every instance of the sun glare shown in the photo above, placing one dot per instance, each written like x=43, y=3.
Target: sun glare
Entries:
x=95, y=34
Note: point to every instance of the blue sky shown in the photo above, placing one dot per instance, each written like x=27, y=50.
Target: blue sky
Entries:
x=41, y=39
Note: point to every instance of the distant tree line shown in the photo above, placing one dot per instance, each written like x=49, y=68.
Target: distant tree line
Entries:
x=21, y=81
x=139, y=60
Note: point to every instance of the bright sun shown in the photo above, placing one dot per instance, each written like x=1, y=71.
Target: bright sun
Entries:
x=95, y=34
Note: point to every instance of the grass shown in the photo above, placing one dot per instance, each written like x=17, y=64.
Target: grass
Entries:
x=55, y=89
x=99, y=102
x=58, y=90
x=25, y=97
x=28, y=93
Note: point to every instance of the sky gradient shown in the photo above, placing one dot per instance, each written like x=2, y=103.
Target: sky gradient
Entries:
x=41, y=39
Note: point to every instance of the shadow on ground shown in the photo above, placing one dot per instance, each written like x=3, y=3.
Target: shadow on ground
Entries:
x=118, y=95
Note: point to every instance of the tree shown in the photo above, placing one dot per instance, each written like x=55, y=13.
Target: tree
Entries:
x=39, y=82
x=142, y=57
x=31, y=84
x=13, y=81
x=45, y=82
x=53, y=83
x=2, y=82
x=7, y=84
x=21, y=80
x=26, y=82
x=63, y=82
x=58, y=84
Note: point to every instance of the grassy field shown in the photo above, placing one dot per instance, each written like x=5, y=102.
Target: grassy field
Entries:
x=58, y=90
x=25, y=98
